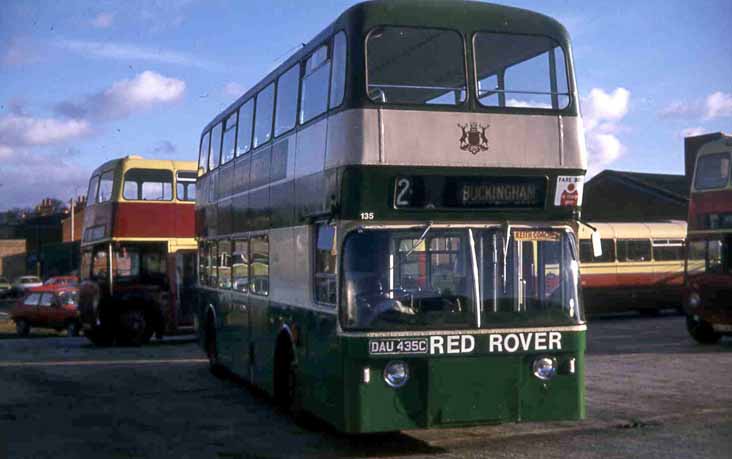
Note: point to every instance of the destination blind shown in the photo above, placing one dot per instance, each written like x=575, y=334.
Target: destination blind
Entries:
x=436, y=192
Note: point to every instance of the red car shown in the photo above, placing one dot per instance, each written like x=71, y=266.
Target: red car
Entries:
x=70, y=281
x=47, y=307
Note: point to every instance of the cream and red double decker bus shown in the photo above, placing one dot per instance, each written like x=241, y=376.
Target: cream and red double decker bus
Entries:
x=138, y=250
x=387, y=222
x=708, y=294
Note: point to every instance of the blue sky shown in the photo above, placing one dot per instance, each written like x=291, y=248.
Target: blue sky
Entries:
x=82, y=82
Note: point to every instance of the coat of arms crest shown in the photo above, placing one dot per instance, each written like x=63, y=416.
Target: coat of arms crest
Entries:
x=473, y=139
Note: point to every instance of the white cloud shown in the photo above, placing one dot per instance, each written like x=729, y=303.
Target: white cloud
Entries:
x=715, y=105
x=234, y=89
x=20, y=130
x=718, y=104
x=602, y=114
x=145, y=90
x=102, y=20
x=126, y=52
x=692, y=131
x=601, y=106
x=26, y=178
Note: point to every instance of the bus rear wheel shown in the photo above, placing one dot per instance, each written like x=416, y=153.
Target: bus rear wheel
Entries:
x=285, y=383
x=701, y=331
x=212, y=350
x=133, y=328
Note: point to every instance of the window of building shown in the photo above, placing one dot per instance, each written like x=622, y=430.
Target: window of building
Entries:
x=415, y=66
x=712, y=171
x=325, y=259
x=608, y=251
x=148, y=185
x=214, y=152
x=91, y=194
x=228, y=145
x=338, y=77
x=186, y=185
x=668, y=250
x=240, y=265
x=314, y=97
x=203, y=153
x=634, y=250
x=244, y=137
x=522, y=71
x=263, y=116
x=106, y=185
x=224, y=264
x=286, y=112
x=259, y=265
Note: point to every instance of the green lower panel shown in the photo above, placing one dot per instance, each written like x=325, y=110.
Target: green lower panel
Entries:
x=450, y=391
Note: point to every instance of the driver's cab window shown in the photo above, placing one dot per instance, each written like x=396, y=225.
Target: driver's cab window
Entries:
x=100, y=264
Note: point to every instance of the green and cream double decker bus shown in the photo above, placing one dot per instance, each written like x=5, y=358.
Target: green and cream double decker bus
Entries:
x=387, y=222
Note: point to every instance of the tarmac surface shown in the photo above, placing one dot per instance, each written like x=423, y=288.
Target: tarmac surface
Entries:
x=651, y=392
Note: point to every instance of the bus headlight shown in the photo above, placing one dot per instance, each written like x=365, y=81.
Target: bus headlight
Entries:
x=694, y=300
x=396, y=373
x=545, y=368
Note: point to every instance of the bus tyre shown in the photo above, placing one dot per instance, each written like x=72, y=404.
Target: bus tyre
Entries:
x=212, y=351
x=72, y=329
x=701, y=331
x=133, y=328
x=22, y=327
x=285, y=383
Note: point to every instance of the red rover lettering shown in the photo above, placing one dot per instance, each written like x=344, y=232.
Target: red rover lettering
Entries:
x=539, y=341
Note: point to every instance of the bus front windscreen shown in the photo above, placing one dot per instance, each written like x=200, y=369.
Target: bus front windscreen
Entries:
x=407, y=280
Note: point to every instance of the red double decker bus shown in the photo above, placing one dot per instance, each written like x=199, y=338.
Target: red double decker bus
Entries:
x=138, y=250
x=708, y=279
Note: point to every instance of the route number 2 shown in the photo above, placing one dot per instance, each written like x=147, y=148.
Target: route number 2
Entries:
x=402, y=192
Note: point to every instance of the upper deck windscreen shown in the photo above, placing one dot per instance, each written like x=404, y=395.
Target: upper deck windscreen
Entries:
x=415, y=66
x=713, y=171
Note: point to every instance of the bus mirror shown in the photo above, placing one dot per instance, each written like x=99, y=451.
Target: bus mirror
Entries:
x=334, y=242
x=596, y=246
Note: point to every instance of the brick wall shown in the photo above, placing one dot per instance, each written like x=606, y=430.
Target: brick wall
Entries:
x=12, y=258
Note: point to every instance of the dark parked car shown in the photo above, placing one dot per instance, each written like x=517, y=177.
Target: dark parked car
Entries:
x=47, y=307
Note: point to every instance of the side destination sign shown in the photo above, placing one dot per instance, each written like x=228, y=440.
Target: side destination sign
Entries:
x=466, y=344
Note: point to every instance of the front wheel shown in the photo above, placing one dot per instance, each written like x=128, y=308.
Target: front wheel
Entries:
x=132, y=328
x=212, y=351
x=22, y=327
x=701, y=331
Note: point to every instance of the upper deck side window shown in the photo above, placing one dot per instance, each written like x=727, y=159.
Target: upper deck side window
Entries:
x=263, y=116
x=244, y=135
x=91, y=194
x=203, y=153
x=520, y=71
x=286, y=112
x=106, y=185
x=148, y=185
x=315, y=82
x=338, y=75
x=712, y=171
x=186, y=185
x=214, y=152
x=228, y=144
x=408, y=65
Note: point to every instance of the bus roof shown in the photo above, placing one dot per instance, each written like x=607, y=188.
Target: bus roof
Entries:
x=671, y=229
x=466, y=17
x=133, y=161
